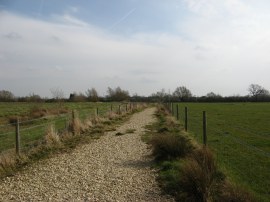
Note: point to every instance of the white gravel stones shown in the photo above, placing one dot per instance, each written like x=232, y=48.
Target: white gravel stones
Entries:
x=112, y=168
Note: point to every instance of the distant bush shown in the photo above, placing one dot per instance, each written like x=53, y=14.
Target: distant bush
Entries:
x=117, y=94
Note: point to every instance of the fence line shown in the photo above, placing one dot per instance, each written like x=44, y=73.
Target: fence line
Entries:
x=59, y=121
x=224, y=133
x=235, y=153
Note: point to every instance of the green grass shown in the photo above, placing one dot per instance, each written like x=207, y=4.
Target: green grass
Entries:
x=239, y=134
x=32, y=130
x=194, y=176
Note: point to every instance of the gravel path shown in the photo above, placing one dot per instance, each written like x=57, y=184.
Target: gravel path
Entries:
x=112, y=168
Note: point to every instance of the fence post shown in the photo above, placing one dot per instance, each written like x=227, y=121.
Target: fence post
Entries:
x=111, y=108
x=17, y=137
x=119, y=109
x=177, y=112
x=172, y=110
x=186, y=119
x=73, y=122
x=204, y=128
x=97, y=111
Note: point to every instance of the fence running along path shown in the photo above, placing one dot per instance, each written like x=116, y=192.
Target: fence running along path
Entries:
x=22, y=134
x=246, y=162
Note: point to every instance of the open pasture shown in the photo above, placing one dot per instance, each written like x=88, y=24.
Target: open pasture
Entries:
x=239, y=134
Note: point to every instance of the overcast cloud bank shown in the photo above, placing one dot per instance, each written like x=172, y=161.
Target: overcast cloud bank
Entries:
x=220, y=46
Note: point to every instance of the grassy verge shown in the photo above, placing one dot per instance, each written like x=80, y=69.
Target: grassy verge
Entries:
x=187, y=170
x=54, y=141
x=239, y=135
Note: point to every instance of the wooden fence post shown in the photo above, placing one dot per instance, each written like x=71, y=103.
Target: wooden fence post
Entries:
x=73, y=122
x=172, y=109
x=204, y=129
x=177, y=112
x=119, y=109
x=17, y=137
x=97, y=111
x=186, y=119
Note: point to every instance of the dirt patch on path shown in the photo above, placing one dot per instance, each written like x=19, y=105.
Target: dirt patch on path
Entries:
x=112, y=168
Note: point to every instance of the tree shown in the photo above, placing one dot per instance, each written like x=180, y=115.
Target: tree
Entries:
x=256, y=91
x=213, y=95
x=182, y=93
x=161, y=96
x=33, y=98
x=92, y=95
x=6, y=96
x=117, y=94
x=57, y=94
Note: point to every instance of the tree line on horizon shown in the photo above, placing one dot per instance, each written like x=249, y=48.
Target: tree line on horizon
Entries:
x=256, y=93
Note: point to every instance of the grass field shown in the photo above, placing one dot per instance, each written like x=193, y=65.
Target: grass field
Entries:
x=239, y=133
x=33, y=129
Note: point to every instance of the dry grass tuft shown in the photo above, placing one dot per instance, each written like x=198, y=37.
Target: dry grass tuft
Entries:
x=75, y=126
x=171, y=121
x=95, y=120
x=200, y=179
x=51, y=136
x=234, y=193
x=86, y=125
x=7, y=163
x=37, y=112
x=112, y=115
x=168, y=146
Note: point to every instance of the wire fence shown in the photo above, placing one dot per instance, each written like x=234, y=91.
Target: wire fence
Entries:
x=32, y=131
x=241, y=151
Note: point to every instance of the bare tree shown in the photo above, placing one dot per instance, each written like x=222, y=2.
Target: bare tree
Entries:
x=57, y=94
x=6, y=96
x=92, y=95
x=182, y=93
x=257, y=91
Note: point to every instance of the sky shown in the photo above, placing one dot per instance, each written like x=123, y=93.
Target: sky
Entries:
x=143, y=46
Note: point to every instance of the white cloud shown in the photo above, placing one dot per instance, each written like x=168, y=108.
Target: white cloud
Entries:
x=223, y=53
